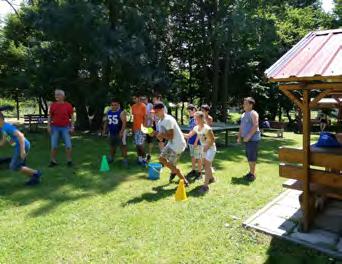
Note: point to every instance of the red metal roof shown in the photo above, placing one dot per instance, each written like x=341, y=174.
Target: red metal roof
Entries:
x=318, y=56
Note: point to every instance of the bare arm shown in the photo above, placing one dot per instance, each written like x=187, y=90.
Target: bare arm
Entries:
x=21, y=139
x=124, y=122
x=190, y=134
x=167, y=135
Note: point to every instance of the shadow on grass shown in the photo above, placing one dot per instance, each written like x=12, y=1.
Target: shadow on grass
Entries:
x=283, y=252
x=158, y=194
x=240, y=181
x=62, y=184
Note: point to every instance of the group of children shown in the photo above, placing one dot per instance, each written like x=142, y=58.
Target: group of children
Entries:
x=171, y=140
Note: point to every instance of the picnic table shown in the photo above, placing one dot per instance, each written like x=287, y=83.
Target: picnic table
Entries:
x=216, y=128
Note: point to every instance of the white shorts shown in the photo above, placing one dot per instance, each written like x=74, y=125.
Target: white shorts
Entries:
x=209, y=155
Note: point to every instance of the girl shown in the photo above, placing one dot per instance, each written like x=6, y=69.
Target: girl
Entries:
x=207, y=139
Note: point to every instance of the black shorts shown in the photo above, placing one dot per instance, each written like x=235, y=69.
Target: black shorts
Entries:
x=252, y=150
x=115, y=141
x=149, y=139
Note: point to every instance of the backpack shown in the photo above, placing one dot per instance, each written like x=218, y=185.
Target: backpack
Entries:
x=327, y=140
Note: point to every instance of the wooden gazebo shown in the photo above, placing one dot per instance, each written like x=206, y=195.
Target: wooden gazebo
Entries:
x=308, y=74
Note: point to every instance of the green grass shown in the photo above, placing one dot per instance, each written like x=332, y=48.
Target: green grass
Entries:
x=82, y=216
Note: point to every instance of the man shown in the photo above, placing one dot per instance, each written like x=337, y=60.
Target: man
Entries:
x=208, y=118
x=116, y=123
x=139, y=118
x=170, y=131
x=250, y=132
x=196, y=150
x=60, y=124
x=21, y=148
x=149, y=123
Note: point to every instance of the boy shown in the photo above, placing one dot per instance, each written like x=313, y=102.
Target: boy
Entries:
x=195, y=147
x=208, y=118
x=116, y=123
x=139, y=118
x=170, y=131
x=250, y=132
x=149, y=123
x=21, y=148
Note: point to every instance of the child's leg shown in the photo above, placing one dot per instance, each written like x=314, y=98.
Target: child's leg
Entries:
x=208, y=172
x=54, y=143
x=28, y=171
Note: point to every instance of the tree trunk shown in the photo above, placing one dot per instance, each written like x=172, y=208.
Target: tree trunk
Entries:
x=216, y=66
x=225, y=87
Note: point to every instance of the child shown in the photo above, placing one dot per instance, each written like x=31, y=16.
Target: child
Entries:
x=116, y=122
x=250, y=132
x=21, y=148
x=207, y=139
x=208, y=118
x=194, y=147
x=170, y=130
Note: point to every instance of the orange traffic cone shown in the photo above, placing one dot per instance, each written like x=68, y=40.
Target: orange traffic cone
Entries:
x=180, y=193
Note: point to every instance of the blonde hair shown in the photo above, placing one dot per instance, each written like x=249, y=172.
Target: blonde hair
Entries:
x=201, y=115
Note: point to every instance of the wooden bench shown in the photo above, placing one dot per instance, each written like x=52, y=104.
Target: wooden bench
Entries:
x=325, y=171
x=275, y=127
x=35, y=121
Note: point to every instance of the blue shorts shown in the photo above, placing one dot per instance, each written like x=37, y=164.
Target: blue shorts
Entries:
x=57, y=132
x=252, y=150
x=17, y=162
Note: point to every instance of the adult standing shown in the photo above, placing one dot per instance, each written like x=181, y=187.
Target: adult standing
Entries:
x=139, y=118
x=60, y=124
x=250, y=132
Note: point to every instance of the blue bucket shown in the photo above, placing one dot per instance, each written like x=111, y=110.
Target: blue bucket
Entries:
x=154, y=171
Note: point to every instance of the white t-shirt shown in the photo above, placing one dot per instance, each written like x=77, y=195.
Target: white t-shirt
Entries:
x=177, y=143
x=202, y=134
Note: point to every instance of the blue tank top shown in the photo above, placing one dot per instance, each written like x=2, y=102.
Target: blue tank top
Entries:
x=246, y=126
x=114, y=121
x=192, y=124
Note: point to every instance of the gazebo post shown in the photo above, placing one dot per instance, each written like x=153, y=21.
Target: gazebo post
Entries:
x=306, y=163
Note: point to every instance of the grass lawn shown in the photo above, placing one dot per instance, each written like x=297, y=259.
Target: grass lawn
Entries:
x=79, y=215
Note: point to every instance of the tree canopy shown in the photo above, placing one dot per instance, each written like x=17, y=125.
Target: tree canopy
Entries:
x=205, y=50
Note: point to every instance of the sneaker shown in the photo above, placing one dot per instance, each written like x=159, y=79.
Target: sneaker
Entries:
x=251, y=177
x=52, y=164
x=148, y=158
x=172, y=176
x=204, y=189
x=69, y=164
x=35, y=179
x=144, y=163
x=212, y=180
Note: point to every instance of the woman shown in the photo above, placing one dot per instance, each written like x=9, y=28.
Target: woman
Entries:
x=207, y=139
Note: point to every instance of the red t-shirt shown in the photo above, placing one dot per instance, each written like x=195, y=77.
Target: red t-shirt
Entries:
x=61, y=114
